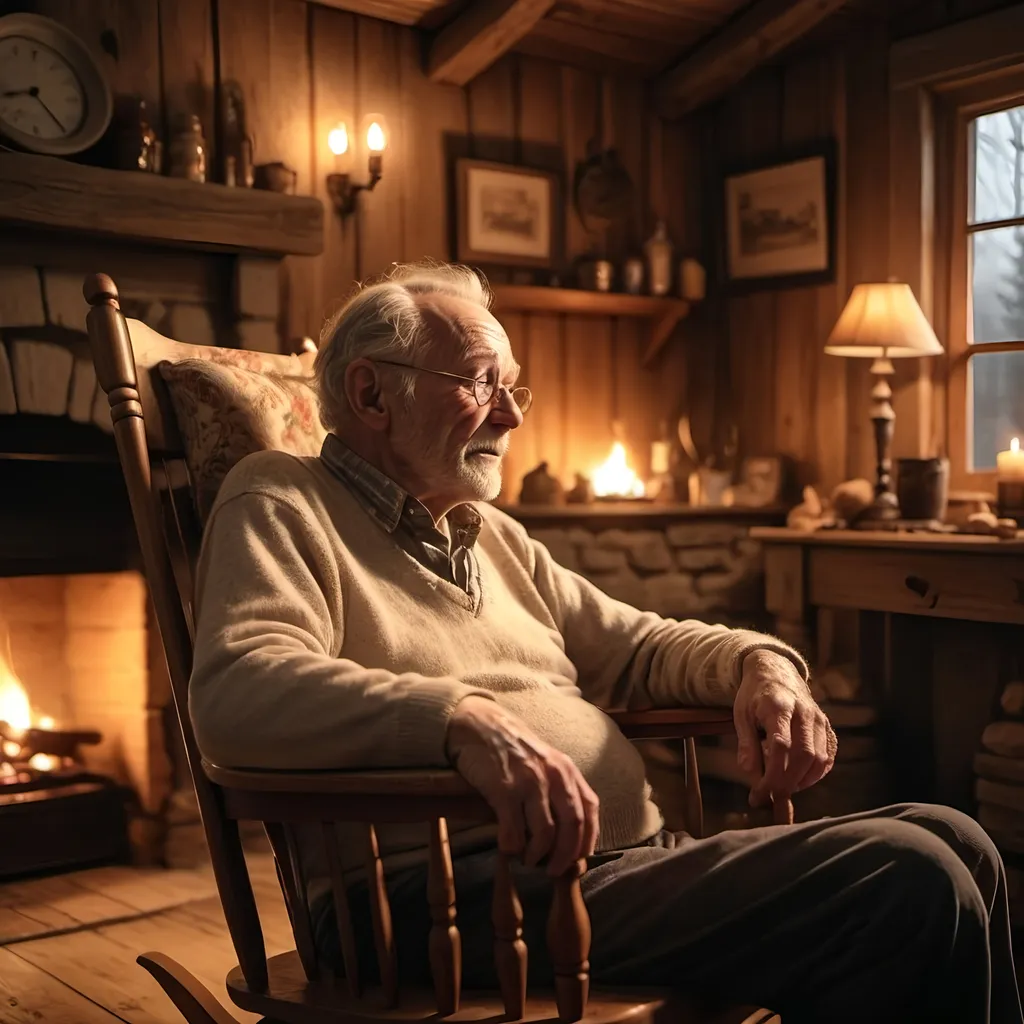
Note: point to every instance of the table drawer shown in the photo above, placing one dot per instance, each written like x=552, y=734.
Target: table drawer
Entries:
x=983, y=588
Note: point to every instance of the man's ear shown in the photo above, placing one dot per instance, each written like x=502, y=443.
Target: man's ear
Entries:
x=364, y=391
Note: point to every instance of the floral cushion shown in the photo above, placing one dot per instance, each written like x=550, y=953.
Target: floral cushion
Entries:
x=228, y=408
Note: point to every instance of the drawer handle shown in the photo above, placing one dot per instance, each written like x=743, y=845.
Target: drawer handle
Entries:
x=921, y=587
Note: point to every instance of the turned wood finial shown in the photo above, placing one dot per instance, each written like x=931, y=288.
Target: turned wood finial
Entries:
x=99, y=289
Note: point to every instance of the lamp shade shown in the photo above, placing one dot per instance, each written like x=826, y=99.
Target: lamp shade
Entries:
x=882, y=321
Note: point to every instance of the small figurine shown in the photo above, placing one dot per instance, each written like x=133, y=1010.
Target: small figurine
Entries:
x=541, y=488
x=582, y=492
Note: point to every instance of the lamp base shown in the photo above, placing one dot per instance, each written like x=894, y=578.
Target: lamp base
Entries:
x=885, y=509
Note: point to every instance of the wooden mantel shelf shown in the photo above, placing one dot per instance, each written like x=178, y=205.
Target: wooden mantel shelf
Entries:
x=664, y=313
x=57, y=194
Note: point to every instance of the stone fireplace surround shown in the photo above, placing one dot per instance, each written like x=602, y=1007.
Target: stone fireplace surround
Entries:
x=73, y=604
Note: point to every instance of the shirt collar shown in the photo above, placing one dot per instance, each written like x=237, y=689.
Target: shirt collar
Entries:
x=386, y=500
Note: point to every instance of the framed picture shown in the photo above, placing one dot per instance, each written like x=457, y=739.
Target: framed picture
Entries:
x=779, y=222
x=506, y=214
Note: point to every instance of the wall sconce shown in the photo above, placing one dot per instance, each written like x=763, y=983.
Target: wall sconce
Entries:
x=340, y=187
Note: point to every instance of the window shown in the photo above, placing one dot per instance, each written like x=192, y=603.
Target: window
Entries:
x=987, y=341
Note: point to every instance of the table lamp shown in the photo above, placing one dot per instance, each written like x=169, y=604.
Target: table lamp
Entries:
x=882, y=322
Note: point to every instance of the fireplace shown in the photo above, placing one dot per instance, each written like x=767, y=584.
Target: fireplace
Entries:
x=79, y=651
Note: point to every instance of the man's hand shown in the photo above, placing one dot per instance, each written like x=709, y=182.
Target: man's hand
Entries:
x=545, y=807
x=798, y=746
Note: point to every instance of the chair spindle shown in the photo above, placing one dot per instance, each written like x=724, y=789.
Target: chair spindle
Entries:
x=339, y=891
x=293, y=885
x=445, y=941
x=380, y=910
x=510, y=952
x=568, y=935
x=693, y=804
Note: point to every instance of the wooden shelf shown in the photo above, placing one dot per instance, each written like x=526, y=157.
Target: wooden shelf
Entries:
x=664, y=313
x=133, y=205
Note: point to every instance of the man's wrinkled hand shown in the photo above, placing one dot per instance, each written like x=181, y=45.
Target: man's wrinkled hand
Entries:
x=785, y=741
x=544, y=806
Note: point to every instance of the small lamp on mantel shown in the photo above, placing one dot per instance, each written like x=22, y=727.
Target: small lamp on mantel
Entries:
x=882, y=322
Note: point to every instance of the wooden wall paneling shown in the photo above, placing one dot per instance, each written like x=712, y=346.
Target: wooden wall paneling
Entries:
x=264, y=48
x=797, y=344
x=538, y=110
x=588, y=340
x=911, y=209
x=581, y=127
x=754, y=114
x=186, y=63
x=381, y=213
x=432, y=115
x=866, y=213
x=333, y=73
x=633, y=387
x=124, y=35
x=492, y=101
x=588, y=392
x=830, y=440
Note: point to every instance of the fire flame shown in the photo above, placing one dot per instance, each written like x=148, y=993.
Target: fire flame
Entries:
x=615, y=478
x=16, y=711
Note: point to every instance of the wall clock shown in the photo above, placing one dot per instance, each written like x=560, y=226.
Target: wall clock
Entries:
x=53, y=97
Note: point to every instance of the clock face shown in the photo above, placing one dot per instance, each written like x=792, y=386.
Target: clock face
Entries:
x=41, y=96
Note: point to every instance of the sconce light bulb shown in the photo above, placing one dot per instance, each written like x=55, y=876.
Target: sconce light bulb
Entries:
x=337, y=140
x=375, y=140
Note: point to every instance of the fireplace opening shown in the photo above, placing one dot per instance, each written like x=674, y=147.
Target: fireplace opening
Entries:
x=78, y=712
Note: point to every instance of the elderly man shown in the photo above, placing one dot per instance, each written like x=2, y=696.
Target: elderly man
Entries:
x=369, y=609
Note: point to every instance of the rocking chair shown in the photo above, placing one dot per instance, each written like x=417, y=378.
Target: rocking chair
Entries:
x=296, y=987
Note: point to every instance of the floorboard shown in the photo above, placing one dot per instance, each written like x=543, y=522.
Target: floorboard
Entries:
x=85, y=972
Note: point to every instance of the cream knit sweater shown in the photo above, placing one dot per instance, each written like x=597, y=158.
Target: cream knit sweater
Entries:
x=321, y=644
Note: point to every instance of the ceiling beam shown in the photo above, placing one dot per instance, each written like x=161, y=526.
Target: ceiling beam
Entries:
x=479, y=36
x=759, y=33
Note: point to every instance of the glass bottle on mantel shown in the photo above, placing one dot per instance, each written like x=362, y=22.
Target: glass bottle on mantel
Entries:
x=188, y=152
x=659, y=260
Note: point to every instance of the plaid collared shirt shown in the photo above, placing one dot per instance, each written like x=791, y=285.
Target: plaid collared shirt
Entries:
x=447, y=551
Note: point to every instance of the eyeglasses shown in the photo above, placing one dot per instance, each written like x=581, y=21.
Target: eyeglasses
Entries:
x=484, y=390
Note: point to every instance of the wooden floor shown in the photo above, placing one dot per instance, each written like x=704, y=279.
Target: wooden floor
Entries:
x=68, y=944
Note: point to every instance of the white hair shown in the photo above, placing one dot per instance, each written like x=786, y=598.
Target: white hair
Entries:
x=384, y=319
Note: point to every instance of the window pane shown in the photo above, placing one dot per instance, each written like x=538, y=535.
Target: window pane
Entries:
x=997, y=285
x=998, y=166
x=997, y=388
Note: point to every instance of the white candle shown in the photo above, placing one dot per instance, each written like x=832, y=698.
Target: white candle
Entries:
x=1010, y=464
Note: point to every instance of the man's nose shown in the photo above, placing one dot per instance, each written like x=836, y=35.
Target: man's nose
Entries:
x=504, y=409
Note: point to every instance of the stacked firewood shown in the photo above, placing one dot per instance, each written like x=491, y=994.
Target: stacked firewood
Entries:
x=999, y=788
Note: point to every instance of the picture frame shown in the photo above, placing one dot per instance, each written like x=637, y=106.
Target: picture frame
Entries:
x=779, y=220
x=506, y=215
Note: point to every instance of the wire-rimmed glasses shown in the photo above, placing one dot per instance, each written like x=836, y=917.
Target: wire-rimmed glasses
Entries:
x=484, y=390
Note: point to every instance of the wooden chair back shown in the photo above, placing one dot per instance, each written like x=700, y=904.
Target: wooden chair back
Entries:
x=152, y=459
x=295, y=986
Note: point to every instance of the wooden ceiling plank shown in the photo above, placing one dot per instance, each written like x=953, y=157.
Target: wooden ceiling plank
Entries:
x=401, y=12
x=479, y=36
x=756, y=35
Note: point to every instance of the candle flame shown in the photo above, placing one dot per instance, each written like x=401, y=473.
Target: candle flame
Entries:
x=615, y=477
x=375, y=139
x=337, y=139
x=1015, y=444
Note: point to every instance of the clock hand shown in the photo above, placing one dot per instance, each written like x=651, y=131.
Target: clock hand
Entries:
x=53, y=116
x=34, y=91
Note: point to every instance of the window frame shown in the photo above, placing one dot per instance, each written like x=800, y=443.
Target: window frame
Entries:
x=959, y=106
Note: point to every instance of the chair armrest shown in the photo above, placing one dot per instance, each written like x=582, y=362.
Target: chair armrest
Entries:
x=363, y=796
x=673, y=723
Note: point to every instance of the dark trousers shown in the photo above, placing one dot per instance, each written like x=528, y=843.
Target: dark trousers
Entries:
x=898, y=914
